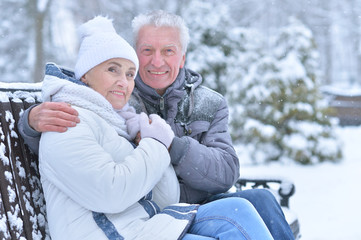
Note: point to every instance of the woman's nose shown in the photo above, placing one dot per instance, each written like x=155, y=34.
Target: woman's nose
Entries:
x=122, y=80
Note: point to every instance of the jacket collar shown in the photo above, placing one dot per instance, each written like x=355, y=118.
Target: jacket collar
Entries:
x=186, y=79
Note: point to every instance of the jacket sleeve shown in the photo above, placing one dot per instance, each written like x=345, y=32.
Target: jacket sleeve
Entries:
x=31, y=137
x=80, y=167
x=167, y=190
x=209, y=165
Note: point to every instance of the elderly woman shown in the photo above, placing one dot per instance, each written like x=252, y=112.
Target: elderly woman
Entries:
x=100, y=185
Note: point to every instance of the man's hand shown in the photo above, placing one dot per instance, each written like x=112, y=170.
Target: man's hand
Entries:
x=137, y=139
x=157, y=128
x=53, y=116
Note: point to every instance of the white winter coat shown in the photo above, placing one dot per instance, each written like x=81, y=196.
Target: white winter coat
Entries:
x=91, y=168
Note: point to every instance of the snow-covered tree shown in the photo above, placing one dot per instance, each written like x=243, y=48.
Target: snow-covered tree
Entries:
x=211, y=46
x=278, y=112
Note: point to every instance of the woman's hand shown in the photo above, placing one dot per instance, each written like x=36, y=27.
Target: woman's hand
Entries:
x=132, y=122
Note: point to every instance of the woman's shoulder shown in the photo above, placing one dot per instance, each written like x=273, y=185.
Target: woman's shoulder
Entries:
x=88, y=116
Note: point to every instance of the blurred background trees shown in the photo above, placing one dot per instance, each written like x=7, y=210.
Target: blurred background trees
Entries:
x=277, y=110
x=35, y=31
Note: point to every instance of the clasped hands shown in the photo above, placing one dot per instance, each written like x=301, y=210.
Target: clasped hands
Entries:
x=139, y=126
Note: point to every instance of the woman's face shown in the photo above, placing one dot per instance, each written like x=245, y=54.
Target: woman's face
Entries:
x=114, y=79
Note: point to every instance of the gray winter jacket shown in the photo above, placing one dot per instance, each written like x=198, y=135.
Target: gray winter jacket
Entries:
x=202, y=153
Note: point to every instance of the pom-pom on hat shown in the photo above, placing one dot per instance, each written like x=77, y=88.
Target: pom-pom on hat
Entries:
x=99, y=43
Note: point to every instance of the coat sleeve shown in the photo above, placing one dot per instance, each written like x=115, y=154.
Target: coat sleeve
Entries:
x=167, y=190
x=31, y=137
x=209, y=165
x=80, y=167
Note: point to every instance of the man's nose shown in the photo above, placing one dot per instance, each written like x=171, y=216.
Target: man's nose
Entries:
x=157, y=59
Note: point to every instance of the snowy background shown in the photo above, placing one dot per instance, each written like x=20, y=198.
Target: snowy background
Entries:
x=327, y=200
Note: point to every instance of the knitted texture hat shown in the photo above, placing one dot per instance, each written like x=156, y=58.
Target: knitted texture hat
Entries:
x=99, y=43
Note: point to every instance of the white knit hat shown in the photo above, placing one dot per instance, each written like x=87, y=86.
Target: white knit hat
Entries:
x=99, y=43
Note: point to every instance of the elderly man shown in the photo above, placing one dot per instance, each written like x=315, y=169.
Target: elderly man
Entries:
x=201, y=153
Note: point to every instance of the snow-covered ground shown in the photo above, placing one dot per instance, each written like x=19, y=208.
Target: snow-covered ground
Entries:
x=327, y=200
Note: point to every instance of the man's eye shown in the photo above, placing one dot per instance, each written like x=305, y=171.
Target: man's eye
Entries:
x=147, y=51
x=169, y=52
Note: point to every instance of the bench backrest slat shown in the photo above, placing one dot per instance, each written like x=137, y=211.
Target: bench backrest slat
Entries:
x=4, y=226
x=9, y=190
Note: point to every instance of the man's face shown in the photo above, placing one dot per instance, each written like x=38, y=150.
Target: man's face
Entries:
x=160, y=56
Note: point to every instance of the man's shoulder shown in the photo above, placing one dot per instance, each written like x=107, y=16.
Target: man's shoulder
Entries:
x=204, y=96
x=194, y=83
x=203, y=104
x=207, y=92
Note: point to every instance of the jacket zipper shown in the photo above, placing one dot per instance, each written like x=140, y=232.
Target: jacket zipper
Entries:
x=161, y=103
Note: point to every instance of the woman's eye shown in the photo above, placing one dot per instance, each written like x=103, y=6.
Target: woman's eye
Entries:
x=130, y=75
x=114, y=69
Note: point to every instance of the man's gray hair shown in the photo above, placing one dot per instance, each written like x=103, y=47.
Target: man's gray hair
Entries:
x=160, y=18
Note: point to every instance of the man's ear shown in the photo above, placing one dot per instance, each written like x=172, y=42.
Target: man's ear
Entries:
x=183, y=61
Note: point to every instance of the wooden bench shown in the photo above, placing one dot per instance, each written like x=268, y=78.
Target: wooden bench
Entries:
x=22, y=204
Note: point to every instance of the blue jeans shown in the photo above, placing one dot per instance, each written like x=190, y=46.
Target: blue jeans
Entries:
x=227, y=219
x=267, y=207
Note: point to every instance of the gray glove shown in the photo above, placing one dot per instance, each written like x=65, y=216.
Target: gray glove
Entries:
x=155, y=127
x=132, y=121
